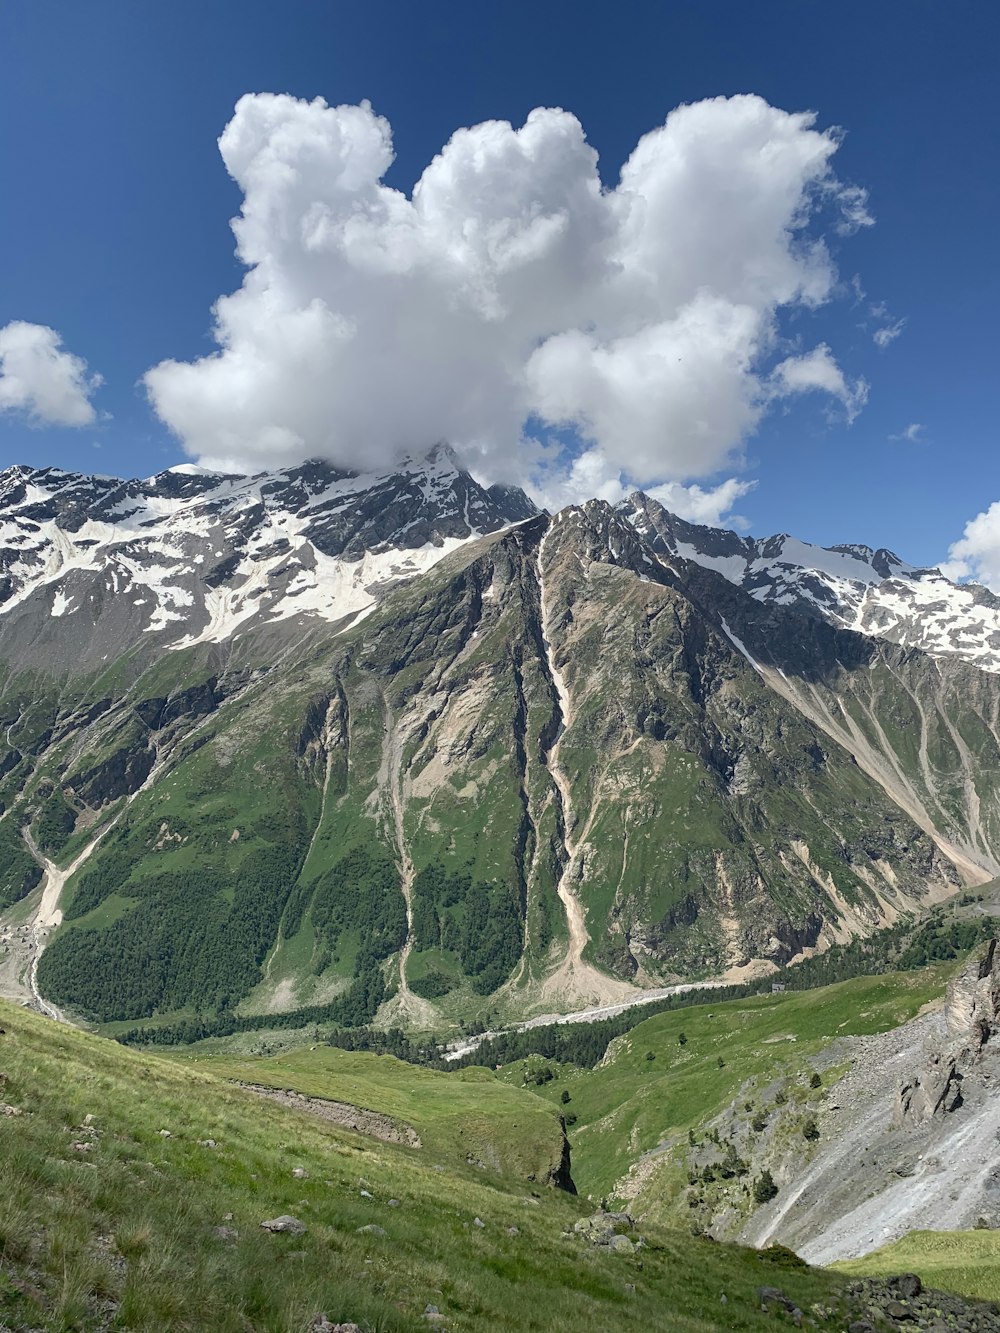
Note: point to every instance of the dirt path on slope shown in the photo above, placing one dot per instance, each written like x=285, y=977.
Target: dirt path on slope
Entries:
x=372, y=1123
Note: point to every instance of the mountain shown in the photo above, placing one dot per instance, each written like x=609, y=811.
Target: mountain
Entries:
x=317, y=746
x=192, y=557
x=850, y=586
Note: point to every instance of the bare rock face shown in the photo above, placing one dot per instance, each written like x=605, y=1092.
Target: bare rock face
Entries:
x=972, y=1017
x=935, y=1091
x=972, y=1007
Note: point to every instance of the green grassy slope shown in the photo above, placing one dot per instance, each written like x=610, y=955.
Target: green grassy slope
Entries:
x=118, y=1232
x=462, y=1115
x=964, y=1261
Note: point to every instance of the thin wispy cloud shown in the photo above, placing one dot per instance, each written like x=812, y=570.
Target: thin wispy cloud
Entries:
x=911, y=434
x=888, y=333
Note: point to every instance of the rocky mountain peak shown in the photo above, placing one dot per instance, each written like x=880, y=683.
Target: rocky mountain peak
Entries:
x=849, y=585
x=194, y=556
x=599, y=533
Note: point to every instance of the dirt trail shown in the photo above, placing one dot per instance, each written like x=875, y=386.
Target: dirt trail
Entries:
x=347, y=1116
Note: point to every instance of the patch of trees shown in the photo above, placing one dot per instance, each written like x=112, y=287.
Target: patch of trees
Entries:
x=432, y=986
x=184, y=944
x=354, y=1007
x=360, y=895
x=54, y=823
x=19, y=873
x=479, y=922
x=102, y=879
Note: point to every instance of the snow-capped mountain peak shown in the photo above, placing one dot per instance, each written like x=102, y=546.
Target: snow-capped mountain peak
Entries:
x=850, y=585
x=192, y=556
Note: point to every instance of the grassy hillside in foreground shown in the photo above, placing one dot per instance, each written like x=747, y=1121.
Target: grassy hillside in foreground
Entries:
x=111, y=1225
x=964, y=1261
x=652, y=1088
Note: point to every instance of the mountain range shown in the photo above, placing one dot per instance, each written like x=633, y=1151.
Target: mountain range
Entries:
x=316, y=743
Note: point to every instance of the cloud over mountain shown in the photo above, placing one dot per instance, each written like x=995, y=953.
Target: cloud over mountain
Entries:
x=512, y=292
x=976, y=554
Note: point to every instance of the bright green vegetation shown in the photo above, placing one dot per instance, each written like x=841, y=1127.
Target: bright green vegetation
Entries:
x=118, y=1233
x=632, y=1104
x=964, y=1261
x=471, y=1113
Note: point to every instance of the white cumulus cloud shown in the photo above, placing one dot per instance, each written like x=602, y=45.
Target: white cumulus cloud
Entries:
x=38, y=377
x=976, y=554
x=511, y=294
x=818, y=370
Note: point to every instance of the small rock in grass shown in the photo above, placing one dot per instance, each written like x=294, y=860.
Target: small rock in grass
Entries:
x=226, y=1233
x=431, y=1309
x=513, y=1231
x=89, y=1118
x=83, y=1147
x=478, y=1222
x=300, y=1173
x=227, y=1217
x=773, y=1296
x=291, y=1225
x=393, y=1203
x=371, y=1230
x=165, y=1134
x=207, y=1143
x=367, y=1194
x=621, y=1245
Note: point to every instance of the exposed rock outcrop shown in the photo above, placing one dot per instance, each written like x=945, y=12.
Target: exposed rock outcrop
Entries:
x=906, y=1136
x=972, y=1017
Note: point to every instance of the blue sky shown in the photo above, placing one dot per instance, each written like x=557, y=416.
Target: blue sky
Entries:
x=115, y=230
